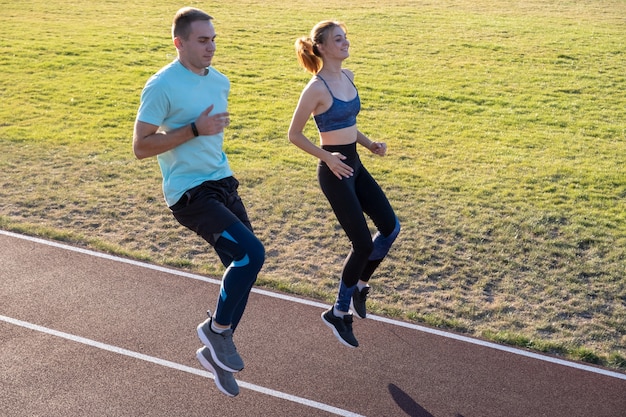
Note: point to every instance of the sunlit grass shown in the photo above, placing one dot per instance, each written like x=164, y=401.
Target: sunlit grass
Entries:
x=506, y=127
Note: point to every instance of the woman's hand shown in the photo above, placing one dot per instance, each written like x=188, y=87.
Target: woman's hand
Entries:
x=378, y=148
x=341, y=170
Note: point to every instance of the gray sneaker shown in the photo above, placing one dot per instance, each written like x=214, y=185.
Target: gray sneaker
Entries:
x=224, y=380
x=222, y=347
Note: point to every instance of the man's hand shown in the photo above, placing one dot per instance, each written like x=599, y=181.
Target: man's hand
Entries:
x=212, y=124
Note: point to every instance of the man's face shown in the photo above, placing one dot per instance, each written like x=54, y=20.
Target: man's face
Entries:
x=197, y=51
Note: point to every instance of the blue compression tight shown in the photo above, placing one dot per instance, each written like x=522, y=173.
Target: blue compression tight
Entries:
x=382, y=244
x=240, y=244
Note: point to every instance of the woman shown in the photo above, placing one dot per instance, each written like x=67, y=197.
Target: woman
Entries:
x=333, y=100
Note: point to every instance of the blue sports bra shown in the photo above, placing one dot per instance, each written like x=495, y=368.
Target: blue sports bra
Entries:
x=341, y=113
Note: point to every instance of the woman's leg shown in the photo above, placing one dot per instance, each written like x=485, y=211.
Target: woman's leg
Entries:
x=376, y=205
x=341, y=195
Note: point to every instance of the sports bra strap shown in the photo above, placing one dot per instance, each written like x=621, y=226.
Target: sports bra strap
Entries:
x=328, y=88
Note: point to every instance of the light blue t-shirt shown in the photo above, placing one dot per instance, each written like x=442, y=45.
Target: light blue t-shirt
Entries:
x=175, y=97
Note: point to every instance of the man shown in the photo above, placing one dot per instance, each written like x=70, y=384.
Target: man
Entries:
x=181, y=121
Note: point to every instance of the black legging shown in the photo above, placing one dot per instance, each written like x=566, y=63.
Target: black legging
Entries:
x=351, y=198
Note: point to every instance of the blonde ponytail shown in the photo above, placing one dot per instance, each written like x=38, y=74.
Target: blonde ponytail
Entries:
x=308, y=55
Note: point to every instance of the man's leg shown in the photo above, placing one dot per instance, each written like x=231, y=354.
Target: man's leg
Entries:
x=248, y=255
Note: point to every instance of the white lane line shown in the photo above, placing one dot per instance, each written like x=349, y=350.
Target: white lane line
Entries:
x=162, y=362
x=285, y=297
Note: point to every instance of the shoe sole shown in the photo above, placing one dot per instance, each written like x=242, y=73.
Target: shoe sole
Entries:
x=336, y=333
x=209, y=367
x=207, y=343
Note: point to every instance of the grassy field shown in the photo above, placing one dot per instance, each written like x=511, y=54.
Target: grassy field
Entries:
x=505, y=123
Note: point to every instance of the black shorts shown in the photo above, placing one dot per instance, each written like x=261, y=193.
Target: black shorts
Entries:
x=211, y=207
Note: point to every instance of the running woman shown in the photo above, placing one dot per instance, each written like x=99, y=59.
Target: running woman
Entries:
x=333, y=100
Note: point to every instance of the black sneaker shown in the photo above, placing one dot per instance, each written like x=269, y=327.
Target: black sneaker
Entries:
x=224, y=380
x=358, y=301
x=342, y=327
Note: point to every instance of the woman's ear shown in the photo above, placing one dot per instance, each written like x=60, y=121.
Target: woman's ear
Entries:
x=320, y=48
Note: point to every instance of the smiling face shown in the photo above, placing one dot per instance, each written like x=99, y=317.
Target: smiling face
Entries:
x=197, y=50
x=335, y=44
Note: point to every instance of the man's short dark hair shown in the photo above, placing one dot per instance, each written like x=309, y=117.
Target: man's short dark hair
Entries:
x=181, y=26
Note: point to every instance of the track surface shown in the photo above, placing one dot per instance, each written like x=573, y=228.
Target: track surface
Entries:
x=87, y=334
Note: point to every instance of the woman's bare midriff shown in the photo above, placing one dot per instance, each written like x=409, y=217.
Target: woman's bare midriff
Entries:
x=343, y=136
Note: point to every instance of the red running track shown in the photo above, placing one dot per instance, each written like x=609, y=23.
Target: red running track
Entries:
x=88, y=334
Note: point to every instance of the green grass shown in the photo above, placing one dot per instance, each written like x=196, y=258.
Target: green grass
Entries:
x=506, y=128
